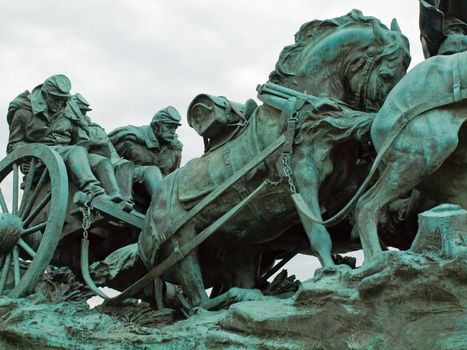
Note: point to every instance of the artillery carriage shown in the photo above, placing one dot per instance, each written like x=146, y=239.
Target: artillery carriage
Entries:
x=44, y=219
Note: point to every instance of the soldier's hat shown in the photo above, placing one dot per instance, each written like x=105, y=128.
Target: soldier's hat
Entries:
x=168, y=115
x=57, y=85
x=82, y=103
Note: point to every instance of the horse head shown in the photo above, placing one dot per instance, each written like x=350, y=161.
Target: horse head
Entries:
x=353, y=58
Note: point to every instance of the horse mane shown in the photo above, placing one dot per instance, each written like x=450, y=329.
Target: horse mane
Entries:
x=316, y=30
x=333, y=127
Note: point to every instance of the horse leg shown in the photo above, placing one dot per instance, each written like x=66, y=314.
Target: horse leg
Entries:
x=153, y=248
x=393, y=183
x=240, y=267
x=188, y=271
x=307, y=183
x=239, y=275
x=409, y=162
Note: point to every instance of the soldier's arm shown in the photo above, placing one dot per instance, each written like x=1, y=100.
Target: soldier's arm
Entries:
x=124, y=143
x=178, y=160
x=17, y=131
x=135, y=152
x=177, y=147
x=79, y=131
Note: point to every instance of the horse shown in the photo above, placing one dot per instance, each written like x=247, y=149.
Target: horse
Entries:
x=421, y=139
x=354, y=61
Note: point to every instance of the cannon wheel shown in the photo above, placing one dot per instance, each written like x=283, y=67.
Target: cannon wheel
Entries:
x=39, y=213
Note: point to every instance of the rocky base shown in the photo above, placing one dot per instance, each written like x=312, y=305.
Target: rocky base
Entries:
x=412, y=303
x=399, y=300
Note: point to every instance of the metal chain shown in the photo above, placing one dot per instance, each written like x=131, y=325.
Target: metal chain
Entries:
x=288, y=172
x=86, y=213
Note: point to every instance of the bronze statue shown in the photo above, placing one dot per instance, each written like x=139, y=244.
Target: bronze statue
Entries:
x=156, y=144
x=114, y=172
x=42, y=117
x=275, y=180
x=217, y=119
x=443, y=24
x=117, y=172
x=303, y=119
x=420, y=132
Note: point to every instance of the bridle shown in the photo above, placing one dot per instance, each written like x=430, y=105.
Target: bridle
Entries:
x=371, y=55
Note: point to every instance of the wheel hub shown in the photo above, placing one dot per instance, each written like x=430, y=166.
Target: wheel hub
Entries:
x=10, y=231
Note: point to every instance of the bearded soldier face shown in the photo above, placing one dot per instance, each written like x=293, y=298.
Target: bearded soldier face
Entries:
x=167, y=132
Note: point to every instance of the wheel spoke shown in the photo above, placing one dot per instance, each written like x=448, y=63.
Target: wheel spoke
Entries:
x=37, y=209
x=15, y=189
x=32, y=200
x=16, y=269
x=26, y=248
x=5, y=271
x=34, y=228
x=28, y=184
x=3, y=203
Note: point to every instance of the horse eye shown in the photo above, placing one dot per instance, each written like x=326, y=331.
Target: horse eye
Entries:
x=385, y=76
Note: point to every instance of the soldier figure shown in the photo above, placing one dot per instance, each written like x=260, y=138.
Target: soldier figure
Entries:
x=42, y=117
x=125, y=170
x=155, y=144
x=114, y=172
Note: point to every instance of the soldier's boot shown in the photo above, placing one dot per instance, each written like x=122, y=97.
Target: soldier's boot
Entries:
x=78, y=165
x=106, y=174
x=124, y=174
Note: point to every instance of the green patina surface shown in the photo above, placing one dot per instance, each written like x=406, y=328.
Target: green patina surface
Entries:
x=340, y=125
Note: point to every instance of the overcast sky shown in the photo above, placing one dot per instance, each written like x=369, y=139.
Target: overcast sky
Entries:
x=132, y=58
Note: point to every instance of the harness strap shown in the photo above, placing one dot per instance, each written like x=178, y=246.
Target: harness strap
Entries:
x=229, y=182
x=367, y=68
x=85, y=270
x=289, y=102
x=289, y=113
x=456, y=75
x=185, y=249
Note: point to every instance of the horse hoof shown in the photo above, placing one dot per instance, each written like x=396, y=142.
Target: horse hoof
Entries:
x=331, y=271
x=376, y=263
x=198, y=310
x=241, y=294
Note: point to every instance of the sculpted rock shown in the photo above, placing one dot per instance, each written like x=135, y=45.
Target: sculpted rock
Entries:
x=441, y=231
x=408, y=300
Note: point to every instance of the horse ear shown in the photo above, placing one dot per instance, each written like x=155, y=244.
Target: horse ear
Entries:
x=395, y=26
x=380, y=35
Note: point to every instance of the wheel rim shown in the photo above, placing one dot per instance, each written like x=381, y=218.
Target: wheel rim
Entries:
x=40, y=205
